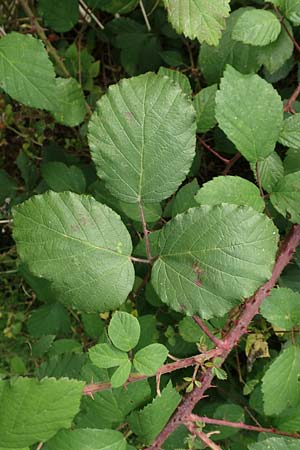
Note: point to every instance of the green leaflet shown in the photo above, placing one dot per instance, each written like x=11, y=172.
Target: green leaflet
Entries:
x=142, y=138
x=205, y=103
x=270, y=171
x=87, y=439
x=113, y=6
x=241, y=103
x=124, y=331
x=257, y=27
x=121, y=374
x=290, y=8
x=291, y=161
x=243, y=57
x=70, y=106
x=178, y=78
x=280, y=384
x=213, y=256
x=58, y=15
x=148, y=422
x=106, y=356
x=230, y=189
x=49, y=319
x=201, y=19
x=290, y=133
x=61, y=177
x=31, y=84
x=80, y=245
x=282, y=308
x=285, y=196
x=33, y=411
x=150, y=358
x=274, y=55
x=183, y=200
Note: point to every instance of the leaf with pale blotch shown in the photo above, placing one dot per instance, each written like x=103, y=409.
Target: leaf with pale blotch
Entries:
x=241, y=105
x=142, y=138
x=201, y=19
x=212, y=257
x=80, y=245
x=33, y=411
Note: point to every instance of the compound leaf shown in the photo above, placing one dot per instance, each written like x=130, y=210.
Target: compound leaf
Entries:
x=280, y=384
x=142, y=138
x=80, y=245
x=241, y=105
x=213, y=256
x=285, y=196
x=201, y=19
x=33, y=411
x=124, y=331
x=230, y=189
x=257, y=27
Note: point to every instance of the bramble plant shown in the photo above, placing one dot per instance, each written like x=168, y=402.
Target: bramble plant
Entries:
x=150, y=205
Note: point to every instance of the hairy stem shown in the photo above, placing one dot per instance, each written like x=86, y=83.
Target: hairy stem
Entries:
x=206, y=330
x=92, y=388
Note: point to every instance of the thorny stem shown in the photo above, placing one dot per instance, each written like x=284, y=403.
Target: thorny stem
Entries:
x=251, y=308
x=205, y=145
x=92, y=388
x=241, y=425
x=204, y=437
x=146, y=233
x=205, y=329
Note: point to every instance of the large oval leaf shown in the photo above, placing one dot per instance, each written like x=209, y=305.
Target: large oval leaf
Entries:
x=212, y=257
x=80, y=245
x=142, y=138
